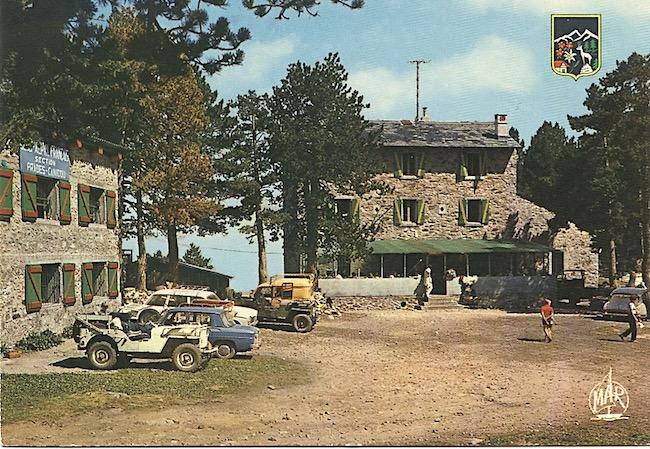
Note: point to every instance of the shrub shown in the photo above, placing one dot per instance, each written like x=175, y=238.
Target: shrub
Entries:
x=39, y=341
x=67, y=332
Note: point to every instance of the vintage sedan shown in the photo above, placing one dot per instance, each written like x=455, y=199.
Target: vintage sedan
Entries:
x=619, y=301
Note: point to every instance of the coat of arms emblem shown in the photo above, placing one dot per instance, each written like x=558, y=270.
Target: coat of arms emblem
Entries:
x=575, y=44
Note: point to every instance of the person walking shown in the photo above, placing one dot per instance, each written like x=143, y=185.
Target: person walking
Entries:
x=547, y=320
x=632, y=320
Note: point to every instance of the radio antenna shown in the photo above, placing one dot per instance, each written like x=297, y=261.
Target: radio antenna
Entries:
x=417, y=63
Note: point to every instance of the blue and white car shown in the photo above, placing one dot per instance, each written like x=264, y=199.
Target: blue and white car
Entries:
x=227, y=337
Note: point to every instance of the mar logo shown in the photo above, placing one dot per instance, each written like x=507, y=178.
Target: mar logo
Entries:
x=576, y=44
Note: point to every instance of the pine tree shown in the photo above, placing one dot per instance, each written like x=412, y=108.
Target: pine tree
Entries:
x=194, y=256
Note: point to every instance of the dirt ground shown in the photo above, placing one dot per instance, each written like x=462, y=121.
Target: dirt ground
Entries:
x=389, y=378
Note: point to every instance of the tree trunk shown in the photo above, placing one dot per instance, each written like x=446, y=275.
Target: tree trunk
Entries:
x=612, y=262
x=312, y=218
x=645, y=221
x=172, y=248
x=142, y=249
x=262, y=270
x=291, y=244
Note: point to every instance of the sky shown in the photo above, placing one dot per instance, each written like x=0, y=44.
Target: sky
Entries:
x=486, y=57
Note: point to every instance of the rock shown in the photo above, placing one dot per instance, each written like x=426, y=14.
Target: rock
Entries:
x=270, y=387
x=272, y=439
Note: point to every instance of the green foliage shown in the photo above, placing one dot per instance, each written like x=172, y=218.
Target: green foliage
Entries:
x=67, y=332
x=39, y=341
x=39, y=396
x=194, y=256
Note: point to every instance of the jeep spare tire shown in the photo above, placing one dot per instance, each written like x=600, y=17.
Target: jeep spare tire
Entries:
x=187, y=357
x=101, y=355
x=302, y=323
x=149, y=315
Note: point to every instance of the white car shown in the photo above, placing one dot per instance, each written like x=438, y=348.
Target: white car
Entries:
x=161, y=300
x=619, y=301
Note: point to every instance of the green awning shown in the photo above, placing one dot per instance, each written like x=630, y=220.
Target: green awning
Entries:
x=460, y=246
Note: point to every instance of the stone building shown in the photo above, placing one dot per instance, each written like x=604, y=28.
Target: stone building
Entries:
x=454, y=206
x=59, y=245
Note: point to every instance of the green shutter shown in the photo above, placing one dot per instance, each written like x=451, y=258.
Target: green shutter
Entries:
x=483, y=162
x=355, y=209
x=111, y=221
x=485, y=211
x=28, y=197
x=65, y=216
x=6, y=193
x=87, y=283
x=421, y=205
x=113, y=288
x=462, y=212
x=397, y=212
x=33, y=299
x=69, y=296
x=462, y=167
x=398, y=165
x=421, y=169
x=83, y=201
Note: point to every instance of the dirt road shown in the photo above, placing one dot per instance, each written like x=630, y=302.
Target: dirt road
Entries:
x=394, y=377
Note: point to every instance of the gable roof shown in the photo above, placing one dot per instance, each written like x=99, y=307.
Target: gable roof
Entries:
x=405, y=133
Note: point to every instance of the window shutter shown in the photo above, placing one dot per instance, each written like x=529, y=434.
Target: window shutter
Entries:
x=6, y=193
x=421, y=170
x=483, y=162
x=33, y=300
x=485, y=211
x=87, y=283
x=397, y=212
x=462, y=167
x=462, y=212
x=398, y=165
x=84, y=204
x=65, y=216
x=355, y=208
x=112, y=279
x=111, y=220
x=28, y=197
x=421, y=205
x=69, y=296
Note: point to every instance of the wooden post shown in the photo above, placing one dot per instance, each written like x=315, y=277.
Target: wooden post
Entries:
x=381, y=265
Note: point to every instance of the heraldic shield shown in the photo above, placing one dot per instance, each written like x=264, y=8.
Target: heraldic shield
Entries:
x=576, y=44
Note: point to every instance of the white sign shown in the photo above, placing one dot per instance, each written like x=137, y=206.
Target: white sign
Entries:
x=608, y=400
x=42, y=160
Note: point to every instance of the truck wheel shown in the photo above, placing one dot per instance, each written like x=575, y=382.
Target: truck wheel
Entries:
x=302, y=323
x=186, y=357
x=225, y=350
x=149, y=315
x=102, y=355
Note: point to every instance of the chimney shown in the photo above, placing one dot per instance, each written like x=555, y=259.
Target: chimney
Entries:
x=425, y=115
x=501, y=125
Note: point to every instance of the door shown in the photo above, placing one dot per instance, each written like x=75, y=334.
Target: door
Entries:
x=437, y=264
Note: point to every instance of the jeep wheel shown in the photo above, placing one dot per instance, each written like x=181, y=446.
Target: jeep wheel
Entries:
x=187, y=357
x=302, y=323
x=225, y=350
x=101, y=355
x=149, y=315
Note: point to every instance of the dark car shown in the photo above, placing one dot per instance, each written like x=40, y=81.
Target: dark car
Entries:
x=619, y=301
x=228, y=337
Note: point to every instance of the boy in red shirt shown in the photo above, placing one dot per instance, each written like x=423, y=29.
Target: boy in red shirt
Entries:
x=547, y=320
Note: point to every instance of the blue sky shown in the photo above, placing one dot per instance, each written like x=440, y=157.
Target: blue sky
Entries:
x=487, y=56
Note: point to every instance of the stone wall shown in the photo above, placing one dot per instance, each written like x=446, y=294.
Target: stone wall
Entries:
x=47, y=241
x=368, y=286
x=576, y=246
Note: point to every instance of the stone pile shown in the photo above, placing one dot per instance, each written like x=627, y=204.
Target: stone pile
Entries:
x=372, y=303
x=132, y=295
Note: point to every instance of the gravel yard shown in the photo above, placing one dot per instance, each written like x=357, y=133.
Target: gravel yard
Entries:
x=386, y=377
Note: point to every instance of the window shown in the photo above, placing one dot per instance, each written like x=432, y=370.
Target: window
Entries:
x=409, y=211
x=343, y=207
x=474, y=211
x=47, y=198
x=409, y=164
x=474, y=164
x=100, y=286
x=471, y=165
x=51, y=283
x=97, y=206
x=157, y=300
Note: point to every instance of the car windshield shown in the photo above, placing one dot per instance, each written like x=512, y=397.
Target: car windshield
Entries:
x=156, y=300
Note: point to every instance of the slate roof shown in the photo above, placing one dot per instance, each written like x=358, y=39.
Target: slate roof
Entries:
x=405, y=133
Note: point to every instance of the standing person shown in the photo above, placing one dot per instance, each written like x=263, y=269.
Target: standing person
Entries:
x=547, y=320
x=428, y=284
x=632, y=320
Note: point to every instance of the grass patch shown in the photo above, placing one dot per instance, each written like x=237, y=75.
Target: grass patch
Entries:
x=53, y=396
x=628, y=433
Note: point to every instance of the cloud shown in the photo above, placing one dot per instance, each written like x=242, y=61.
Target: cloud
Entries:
x=261, y=58
x=458, y=75
x=631, y=9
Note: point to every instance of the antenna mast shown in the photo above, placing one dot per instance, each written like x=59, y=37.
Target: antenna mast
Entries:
x=417, y=63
